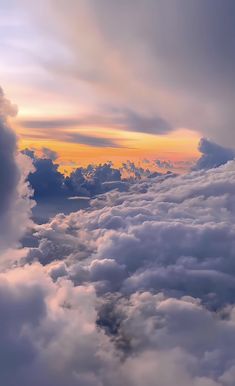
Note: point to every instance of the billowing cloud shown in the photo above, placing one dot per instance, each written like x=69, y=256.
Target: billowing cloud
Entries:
x=168, y=235
x=14, y=193
x=49, y=183
x=137, y=287
x=213, y=155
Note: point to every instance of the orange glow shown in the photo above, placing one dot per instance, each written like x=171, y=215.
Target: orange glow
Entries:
x=180, y=145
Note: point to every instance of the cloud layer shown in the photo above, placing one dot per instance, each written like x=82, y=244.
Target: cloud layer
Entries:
x=137, y=288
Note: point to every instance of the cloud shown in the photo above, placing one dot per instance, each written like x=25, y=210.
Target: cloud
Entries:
x=49, y=183
x=146, y=124
x=15, y=202
x=138, y=286
x=73, y=137
x=31, y=324
x=46, y=180
x=54, y=192
x=166, y=60
x=49, y=123
x=107, y=117
x=48, y=153
x=213, y=155
x=92, y=140
x=164, y=164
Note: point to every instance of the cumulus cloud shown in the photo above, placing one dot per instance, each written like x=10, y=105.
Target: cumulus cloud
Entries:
x=164, y=232
x=139, y=286
x=14, y=193
x=55, y=193
x=213, y=155
x=162, y=164
x=49, y=183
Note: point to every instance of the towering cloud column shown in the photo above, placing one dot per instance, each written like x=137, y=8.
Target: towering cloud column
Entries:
x=14, y=193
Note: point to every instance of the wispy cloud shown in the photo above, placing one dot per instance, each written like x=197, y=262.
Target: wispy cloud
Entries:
x=92, y=140
x=112, y=118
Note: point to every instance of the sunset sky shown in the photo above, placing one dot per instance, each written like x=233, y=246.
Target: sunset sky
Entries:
x=117, y=82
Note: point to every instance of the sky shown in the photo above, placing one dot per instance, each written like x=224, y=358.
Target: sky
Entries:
x=127, y=80
x=117, y=193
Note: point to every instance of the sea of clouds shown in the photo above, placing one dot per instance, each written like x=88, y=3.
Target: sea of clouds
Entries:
x=136, y=289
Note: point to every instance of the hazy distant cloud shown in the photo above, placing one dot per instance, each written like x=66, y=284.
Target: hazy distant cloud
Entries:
x=48, y=153
x=49, y=123
x=131, y=120
x=112, y=118
x=162, y=164
x=74, y=137
x=92, y=140
x=126, y=120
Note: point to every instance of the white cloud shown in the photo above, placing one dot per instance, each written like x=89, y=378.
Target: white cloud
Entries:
x=15, y=204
